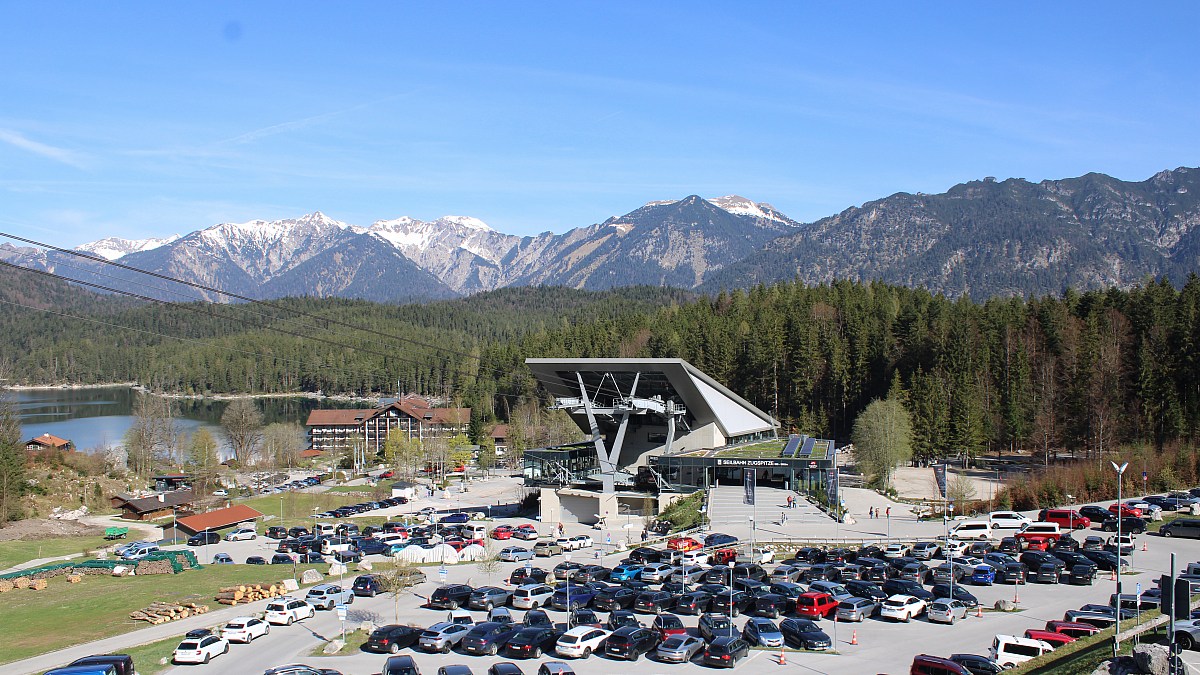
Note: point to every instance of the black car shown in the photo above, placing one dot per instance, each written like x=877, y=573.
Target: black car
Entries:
x=718, y=539
x=615, y=597
x=276, y=532
x=714, y=626
x=529, y=643
x=281, y=559
x=645, y=555
x=584, y=616
x=961, y=594
x=772, y=605
x=749, y=571
x=1082, y=574
x=451, y=596
x=1097, y=514
x=866, y=589
x=653, y=602
x=1105, y=560
x=823, y=572
x=370, y=546
x=1012, y=573
x=531, y=575
x=622, y=618
x=803, y=634
x=1009, y=545
x=392, y=638
x=296, y=532
x=720, y=604
x=841, y=555
x=630, y=643
x=810, y=554
x=873, y=569
x=977, y=665
x=205, y=537
x=718, y=574
x=1033, y=559
x=367, y=585
x=312, y=557
x=349, y=556
x=122, y=663
x=906, y=587
x=537, y=618
x=592, y=573
x=695, y=602
x=256, y=560
x=1129, y=525
x=725, y=652
x=1065, y=543
x=488, y=637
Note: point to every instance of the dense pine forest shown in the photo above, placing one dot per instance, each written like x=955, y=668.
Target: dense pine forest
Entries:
x=1078, y=373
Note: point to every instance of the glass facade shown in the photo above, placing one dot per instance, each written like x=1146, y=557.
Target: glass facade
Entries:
x=560, y=466
x=690, y=472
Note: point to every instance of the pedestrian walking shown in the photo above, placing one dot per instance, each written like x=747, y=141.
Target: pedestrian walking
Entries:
x=645, y=535
x=560, y=529
x=889, y=512
x=783, y=518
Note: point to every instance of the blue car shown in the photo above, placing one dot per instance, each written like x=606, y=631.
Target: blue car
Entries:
x=984, y=575
x=455, y=518
x=627, y=572
x=373, y=547
x=580, y=595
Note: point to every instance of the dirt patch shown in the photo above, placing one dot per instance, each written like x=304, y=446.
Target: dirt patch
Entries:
x=42, y=528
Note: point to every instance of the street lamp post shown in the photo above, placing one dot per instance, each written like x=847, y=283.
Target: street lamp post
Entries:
x=1120, y=478
x=567, y=559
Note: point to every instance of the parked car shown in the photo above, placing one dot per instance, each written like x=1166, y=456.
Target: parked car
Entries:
x=328, y=596
x=487, y=597
x=581, y=642
x=451, y=596
x=815, y=605
x=200, y=650
x=532, y=596
x=679, y=649
x=203, y=538
x=392, y=638
x=614, y=597
x=122, y=664
x=1128, y=524
x=488, y=638
x=976, y=664
x=944, y=610
x=902, y=608
x=245, y=629
x=442, y=636
x=944, y=591
x=804, y=634
x=529, y=643
x=856, y=609
x=621, y=618
x=528, y=575
x=714, y=626
x=725, y=652
x=287, y=610
x=762, y=632
x=1009, y=651
x=630, y=643
x=1183, y=527
x=241, y=534
x=545, y=549
x=654, y=602
x=515, y=554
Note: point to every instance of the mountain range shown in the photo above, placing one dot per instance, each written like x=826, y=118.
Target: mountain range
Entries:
x=980, y=238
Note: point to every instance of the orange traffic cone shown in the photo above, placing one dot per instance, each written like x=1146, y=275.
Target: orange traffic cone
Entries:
x=1144, y=545
x=782, y=657
x=1112, y=574
x=854, y=637
x=979, y=611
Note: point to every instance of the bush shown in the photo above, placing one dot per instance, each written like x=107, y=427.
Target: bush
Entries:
x=685, y=513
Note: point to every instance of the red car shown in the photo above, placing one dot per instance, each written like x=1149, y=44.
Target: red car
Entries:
x=815, y=605
x=387, y=474
x=1125, y=510
x=723, y=555
x=502, y=532
x=1056, y=640
x=684, y=544
x=1036, y=542
x=1072, y=628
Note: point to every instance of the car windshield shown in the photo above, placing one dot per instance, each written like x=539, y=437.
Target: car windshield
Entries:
x=673, y=643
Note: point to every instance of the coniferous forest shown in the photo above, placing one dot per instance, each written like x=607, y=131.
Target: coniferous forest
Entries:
x=1077, y=373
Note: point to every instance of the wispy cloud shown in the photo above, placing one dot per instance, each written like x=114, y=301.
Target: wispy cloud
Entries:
x=18, y=140
x=293, y=125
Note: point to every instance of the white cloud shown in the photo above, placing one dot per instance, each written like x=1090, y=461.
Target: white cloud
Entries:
x=62, y=155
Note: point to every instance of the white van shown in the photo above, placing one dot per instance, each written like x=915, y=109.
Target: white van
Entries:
x=324, y=529
x=532, y=596
x=1009, y=650
x=1053, y=529
x=973, y=529
x=474, y=531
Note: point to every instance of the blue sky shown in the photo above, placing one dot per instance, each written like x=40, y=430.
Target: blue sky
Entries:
x=144, y=119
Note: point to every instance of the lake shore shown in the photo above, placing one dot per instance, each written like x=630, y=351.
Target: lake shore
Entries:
x=316, y=396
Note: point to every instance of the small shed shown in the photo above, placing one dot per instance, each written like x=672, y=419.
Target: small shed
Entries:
x=215, y=520
x=155, y=506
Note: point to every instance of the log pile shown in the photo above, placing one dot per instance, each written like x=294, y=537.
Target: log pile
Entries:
x=6, y=585
x=74, y=578
x=240, y=595
x=162, y=612
x=154, y=567
x=21, y=582
x=38, y=584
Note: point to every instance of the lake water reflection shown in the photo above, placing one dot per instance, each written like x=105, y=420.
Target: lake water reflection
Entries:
x=97, y=418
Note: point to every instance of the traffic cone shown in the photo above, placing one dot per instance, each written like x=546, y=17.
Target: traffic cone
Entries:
x=1112, y=574
x=979, y=611
x=1016, y=598
x=1144, y=545
x=854, y=637
x=782, y=657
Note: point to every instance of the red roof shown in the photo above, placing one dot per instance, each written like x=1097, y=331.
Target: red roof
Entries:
x=311, y=452
x=500, y=431
x=215, y=520
x=48, y=441
x=341, y=417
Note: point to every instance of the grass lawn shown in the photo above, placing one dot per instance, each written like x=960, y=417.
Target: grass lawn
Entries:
x=352, y=488
x=355, y=639
x=35, y=622
x=299, y=507
x=148, y=658
x=767, y=449
x=17, y=552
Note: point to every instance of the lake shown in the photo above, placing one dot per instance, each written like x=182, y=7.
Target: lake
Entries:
x=98, y=418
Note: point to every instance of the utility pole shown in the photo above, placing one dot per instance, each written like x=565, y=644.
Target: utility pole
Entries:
x=1120, y=513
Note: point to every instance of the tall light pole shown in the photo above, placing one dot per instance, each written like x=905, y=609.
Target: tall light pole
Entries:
x=1120, y=507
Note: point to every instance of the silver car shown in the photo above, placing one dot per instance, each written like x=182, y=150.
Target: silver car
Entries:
x=442, y=636
x=943, y=610
x=856, y=609
x=679, y=649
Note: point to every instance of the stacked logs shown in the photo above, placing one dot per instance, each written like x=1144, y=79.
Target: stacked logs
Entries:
x=240, y=595
x=154, y=567
x=162, y=612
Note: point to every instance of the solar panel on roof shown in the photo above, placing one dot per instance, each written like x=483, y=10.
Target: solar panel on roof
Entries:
x=808, y=448
x=792, y=446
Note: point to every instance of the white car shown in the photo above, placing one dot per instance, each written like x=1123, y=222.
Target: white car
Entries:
x=200, y=650
x=1008, y=520
x=901, y=608
x=581, y=642
x=582, y=541
x=690, y=558
x=954, y=548
x=220, y=493
x=245, y=629
x=896, y=551
x=566, y=543
x=287, y=610
x=1149, y=511
x=242, y=534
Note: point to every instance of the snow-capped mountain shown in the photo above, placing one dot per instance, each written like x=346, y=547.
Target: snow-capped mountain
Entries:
x=112, y=248
x=740, y=206
x=462, y=251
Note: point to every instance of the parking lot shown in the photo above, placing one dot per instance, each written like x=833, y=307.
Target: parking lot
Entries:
x=873, y=645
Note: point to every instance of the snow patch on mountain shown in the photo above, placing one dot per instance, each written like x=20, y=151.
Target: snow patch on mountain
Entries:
x=111, y=248
x=741, y=206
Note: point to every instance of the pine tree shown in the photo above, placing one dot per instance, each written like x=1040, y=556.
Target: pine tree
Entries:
x=12, y=465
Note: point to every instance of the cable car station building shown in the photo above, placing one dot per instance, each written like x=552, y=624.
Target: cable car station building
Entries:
x=657, y=429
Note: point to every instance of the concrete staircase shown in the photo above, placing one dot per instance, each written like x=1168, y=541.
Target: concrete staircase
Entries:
x=725, y=508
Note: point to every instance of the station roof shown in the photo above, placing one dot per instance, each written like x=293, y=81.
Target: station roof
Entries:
x=707, y=400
